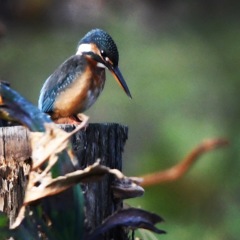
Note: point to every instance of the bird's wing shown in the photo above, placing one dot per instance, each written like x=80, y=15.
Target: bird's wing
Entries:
x=59, y=81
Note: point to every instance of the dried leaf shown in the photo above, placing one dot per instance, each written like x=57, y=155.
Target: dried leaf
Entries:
x=20, y=217
x=41, y=186
x=45, y=145
x=52, y=142
x=130, y=217
x=127, y=188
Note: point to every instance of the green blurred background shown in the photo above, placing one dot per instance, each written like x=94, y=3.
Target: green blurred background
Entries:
x=181, y=60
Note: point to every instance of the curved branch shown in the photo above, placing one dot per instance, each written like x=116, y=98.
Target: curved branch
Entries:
x=181, y=168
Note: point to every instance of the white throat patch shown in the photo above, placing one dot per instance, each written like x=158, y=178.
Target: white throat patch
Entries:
x=101, y=65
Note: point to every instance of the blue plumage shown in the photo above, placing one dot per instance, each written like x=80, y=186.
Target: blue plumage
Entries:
x=59, y=81
x=77, y=83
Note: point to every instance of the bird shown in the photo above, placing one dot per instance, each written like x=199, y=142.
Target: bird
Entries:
x=77, y=83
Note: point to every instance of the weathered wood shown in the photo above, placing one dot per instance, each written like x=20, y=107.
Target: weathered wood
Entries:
x=105, y=142
x=15, y=154
x=99, y=141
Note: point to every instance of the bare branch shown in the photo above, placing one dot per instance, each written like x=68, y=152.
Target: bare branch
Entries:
x=178, y=170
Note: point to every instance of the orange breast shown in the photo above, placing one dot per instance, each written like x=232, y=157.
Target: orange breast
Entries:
x=82, y=93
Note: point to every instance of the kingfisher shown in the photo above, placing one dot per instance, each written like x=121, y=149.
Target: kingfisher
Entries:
x=77, y=83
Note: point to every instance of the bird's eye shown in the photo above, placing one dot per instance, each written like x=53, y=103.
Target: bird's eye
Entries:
x=104, y=56
x=103, y=53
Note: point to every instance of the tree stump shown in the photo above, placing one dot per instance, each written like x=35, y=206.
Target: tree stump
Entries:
x=15, y=154
x=99, y=141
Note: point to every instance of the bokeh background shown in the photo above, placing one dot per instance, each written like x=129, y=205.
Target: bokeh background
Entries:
x=181, y=60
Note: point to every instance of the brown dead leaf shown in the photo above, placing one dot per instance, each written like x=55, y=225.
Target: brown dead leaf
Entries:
x=41, y=186
x=126, y=188
x=45, y=145
x=20, y=217
x=52, y=142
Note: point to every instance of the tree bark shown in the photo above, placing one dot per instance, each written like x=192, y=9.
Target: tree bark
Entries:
x=15, y=155
x=99, y=141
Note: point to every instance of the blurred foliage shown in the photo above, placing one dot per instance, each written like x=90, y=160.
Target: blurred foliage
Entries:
x=180, y=60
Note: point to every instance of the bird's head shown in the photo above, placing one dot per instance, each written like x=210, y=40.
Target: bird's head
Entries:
x=100, y=46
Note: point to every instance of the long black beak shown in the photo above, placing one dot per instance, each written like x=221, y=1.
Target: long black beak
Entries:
x=118, y=76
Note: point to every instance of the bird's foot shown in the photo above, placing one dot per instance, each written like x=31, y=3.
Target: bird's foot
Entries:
x=76, y=120
x=67, y=120
x=83, y=119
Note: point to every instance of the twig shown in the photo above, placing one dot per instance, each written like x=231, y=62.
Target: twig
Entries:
x=181, y=168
